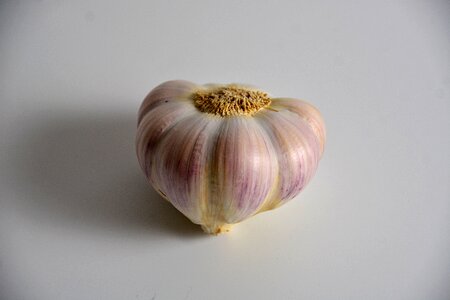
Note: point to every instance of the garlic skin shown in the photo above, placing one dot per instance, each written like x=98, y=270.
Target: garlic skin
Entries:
x=223, y=153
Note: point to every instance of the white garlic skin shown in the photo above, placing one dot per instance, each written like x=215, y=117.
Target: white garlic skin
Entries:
x=220, y=170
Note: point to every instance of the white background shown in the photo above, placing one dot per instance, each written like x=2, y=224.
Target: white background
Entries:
x=78, y=220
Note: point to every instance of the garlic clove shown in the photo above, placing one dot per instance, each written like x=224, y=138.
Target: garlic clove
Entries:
x=297, y=150
x=242, y=173
x=160, y=110
x=165, y=92
x=180, y=164
x=153, y=126
x=305, y=111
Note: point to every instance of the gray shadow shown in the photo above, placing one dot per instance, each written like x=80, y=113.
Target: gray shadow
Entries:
x=81, y=171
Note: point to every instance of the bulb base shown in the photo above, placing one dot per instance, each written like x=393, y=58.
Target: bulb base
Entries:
x=216, y=229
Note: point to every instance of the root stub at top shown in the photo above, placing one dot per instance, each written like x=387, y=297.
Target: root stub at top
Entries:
x=230, y=100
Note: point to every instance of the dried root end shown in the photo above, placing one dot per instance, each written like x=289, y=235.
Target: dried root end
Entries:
x=230, y=100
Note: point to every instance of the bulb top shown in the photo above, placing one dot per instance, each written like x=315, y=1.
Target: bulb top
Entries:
x=230, y=100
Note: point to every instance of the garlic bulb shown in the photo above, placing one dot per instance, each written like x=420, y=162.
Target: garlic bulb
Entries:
x=223, y=153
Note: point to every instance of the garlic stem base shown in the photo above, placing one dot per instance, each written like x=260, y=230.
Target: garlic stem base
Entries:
x=216, y=229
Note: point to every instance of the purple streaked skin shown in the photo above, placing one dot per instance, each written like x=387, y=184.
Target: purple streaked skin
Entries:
x=297, y=150
x=180, y=164
x=167, y=91
x=306, y=112
x=243, y=165
x=222, y=170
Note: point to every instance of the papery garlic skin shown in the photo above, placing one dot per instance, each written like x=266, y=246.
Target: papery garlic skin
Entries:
x=221, y=168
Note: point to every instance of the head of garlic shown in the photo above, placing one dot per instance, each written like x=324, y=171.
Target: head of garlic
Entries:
x=223, y=153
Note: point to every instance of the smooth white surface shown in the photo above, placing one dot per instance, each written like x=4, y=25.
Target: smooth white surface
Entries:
x=78, y=221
